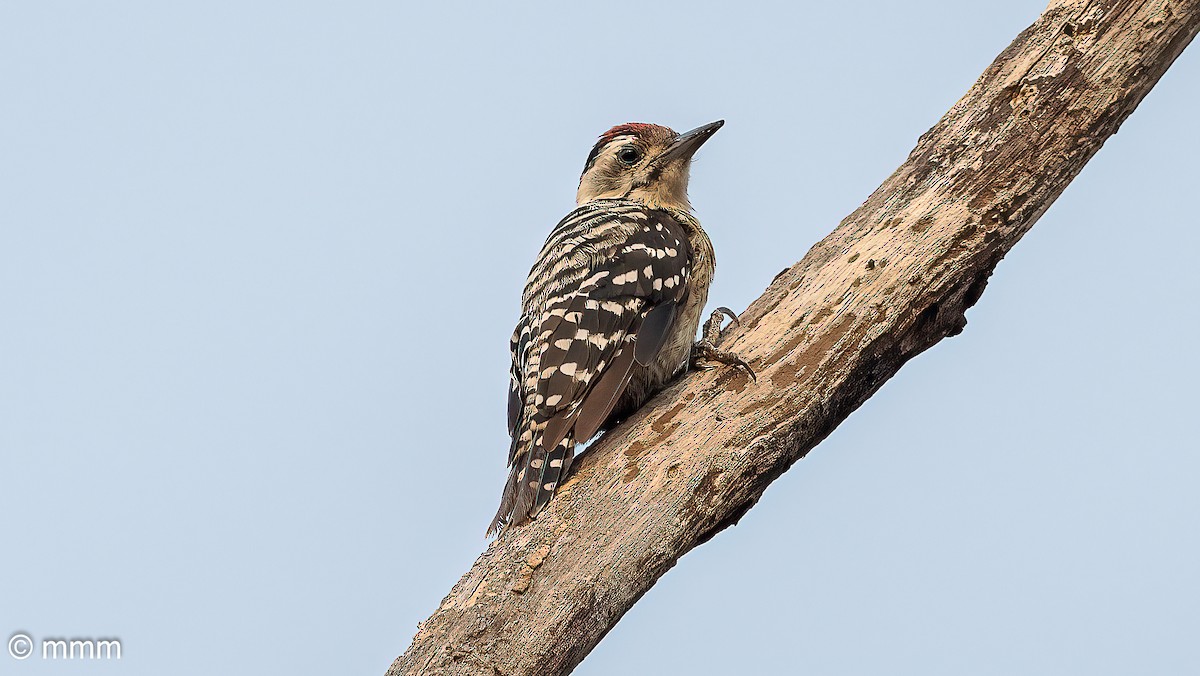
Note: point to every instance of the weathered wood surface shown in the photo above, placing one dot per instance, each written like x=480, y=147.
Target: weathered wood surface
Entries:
x=894, y=278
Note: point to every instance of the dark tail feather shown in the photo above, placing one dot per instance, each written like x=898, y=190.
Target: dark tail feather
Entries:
x=504, y=514
x=554, y=469
x=526, y=481
x=509, y=497
x=521, y=488
x=531, y=482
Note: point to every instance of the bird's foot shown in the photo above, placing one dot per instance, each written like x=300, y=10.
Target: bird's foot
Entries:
x=705, y=350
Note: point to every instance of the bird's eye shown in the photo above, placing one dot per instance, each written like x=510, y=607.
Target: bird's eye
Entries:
x=629, y=155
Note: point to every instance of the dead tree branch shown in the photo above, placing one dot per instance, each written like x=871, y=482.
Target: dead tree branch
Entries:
x=893, y=279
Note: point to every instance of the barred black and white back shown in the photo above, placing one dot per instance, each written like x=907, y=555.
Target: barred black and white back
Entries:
x=609, y=312
x=601, y=300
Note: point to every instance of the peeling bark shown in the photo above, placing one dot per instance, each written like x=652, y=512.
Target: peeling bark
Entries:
x=894, y=278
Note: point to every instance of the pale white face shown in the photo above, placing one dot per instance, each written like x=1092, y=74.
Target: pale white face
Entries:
x=637, y=166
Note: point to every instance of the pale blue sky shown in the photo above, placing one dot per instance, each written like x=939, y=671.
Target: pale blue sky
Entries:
x=259, y=263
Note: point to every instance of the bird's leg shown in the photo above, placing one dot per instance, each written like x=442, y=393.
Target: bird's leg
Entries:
x=705, y=349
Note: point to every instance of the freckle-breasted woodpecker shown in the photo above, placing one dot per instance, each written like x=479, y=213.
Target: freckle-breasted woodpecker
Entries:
x=610, y=309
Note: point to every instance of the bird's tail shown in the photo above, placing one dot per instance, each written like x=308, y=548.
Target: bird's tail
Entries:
x=532, y=481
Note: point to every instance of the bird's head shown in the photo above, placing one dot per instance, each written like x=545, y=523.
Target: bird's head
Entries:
x=642, y=162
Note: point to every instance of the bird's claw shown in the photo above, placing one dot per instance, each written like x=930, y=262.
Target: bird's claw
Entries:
x=712, y=328
x=706, y=348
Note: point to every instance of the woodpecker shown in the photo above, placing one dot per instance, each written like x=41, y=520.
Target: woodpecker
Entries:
x=610, y=309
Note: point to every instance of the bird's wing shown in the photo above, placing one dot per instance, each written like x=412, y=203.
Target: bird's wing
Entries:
x=624, y=300
x=601, y=299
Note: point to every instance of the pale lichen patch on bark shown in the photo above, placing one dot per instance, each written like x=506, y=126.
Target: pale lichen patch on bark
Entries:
x=532, y=563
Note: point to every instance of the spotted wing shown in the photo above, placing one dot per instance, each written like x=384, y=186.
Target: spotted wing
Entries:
x=577, y=342
x=626, y=302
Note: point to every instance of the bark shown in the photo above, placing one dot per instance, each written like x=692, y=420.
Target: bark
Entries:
x=894, y=278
